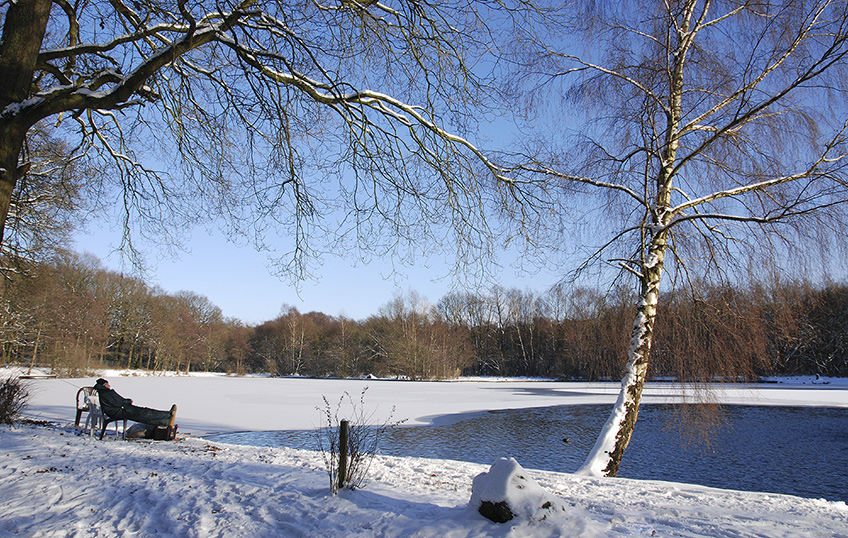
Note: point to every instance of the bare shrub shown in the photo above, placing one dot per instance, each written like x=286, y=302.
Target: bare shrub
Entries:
x=363, y=439
x=13, y=399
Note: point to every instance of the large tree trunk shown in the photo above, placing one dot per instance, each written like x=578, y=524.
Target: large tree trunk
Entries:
x=23, y=31
x=12, y=137
x=9, y=150
x=605, y=457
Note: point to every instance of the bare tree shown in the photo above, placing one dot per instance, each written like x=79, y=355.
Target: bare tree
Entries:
x=407, y=340
x=129, y=317
x=240, y=113
x=704, y=132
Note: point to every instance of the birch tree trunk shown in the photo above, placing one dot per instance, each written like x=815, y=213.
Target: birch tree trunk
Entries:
x=35, y=350
x=605, y=457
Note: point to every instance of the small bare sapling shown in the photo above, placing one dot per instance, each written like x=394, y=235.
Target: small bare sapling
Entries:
x=363, y=440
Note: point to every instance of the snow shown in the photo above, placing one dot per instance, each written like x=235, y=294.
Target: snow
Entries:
x=508, y=483
x=598, y=458
x=56, y=483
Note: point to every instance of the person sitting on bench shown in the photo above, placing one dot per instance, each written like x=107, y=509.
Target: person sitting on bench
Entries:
x=117, y=407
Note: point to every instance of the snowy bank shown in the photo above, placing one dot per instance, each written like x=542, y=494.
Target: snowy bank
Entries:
x=58, y=484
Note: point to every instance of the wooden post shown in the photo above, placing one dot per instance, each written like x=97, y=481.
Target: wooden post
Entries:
x=343, y=433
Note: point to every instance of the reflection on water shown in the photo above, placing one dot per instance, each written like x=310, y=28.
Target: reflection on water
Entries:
x=795, y=450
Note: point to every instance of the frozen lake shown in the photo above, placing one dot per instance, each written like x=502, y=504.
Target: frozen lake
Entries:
x=794, y=450
x=786, y=437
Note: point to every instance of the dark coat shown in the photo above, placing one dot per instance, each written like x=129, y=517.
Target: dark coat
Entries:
x=117, y=407
x=112, y=403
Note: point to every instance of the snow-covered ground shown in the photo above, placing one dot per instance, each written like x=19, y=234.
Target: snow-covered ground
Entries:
x=56, y=483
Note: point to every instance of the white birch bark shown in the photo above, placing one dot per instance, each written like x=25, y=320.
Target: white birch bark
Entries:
x=605, y=457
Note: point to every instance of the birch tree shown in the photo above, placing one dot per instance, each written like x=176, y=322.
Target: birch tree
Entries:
x=238, y=114
x=703, y=132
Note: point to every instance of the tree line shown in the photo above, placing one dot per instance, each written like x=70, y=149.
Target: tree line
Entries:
x=71, y=314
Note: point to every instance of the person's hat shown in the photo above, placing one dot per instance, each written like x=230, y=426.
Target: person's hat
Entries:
x=101, y=381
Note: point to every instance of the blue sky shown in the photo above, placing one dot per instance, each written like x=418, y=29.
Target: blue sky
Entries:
x=238, y=280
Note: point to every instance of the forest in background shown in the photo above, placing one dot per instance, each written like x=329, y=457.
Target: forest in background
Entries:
x=73, y=315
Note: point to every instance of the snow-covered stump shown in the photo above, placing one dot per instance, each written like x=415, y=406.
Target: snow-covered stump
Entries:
x=506, y=492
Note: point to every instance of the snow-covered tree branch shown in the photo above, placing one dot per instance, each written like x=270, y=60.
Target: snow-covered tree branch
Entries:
x=252, y=112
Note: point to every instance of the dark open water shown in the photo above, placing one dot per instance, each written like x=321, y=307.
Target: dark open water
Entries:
x=795, y=450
